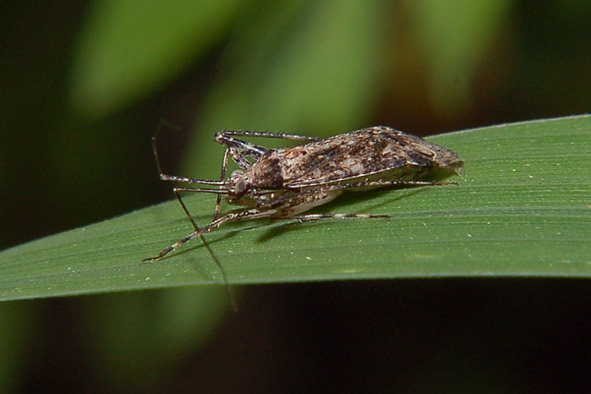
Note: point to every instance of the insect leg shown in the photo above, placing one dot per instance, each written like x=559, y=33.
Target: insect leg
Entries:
x=341, y=184
x=384, y=183
x=318, y=216
x=241, y=148
x=249, y=214
x=198, y=233
x=264, y=134
x=289, y=205
x=240, y=158
x=312, y=196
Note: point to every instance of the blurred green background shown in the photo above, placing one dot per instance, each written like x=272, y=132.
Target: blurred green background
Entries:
x=83, y=86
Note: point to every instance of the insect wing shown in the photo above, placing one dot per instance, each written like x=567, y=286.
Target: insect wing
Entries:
x=376, y=153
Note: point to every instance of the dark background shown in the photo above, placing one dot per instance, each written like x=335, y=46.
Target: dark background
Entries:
x=74, y=151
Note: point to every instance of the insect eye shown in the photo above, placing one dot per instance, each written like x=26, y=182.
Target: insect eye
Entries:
x=241, y=187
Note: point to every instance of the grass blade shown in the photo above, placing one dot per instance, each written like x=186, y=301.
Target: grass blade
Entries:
x=523, y=209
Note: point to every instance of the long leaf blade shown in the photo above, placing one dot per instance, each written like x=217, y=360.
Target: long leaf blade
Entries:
x=523, y=209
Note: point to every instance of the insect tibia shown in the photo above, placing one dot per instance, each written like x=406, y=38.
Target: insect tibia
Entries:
x=224, y=134
x=319, y=216
x=447, y=183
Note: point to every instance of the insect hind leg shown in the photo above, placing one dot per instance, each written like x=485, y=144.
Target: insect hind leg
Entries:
x=320, y=216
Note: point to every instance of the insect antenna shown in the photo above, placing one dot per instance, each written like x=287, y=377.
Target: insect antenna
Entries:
x=182, y=179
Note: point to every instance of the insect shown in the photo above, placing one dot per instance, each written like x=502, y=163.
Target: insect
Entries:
x=283, y=183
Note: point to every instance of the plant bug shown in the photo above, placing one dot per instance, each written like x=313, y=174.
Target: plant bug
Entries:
x=283, y=183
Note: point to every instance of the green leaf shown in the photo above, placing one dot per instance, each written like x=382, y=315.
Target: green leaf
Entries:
x=523, y=209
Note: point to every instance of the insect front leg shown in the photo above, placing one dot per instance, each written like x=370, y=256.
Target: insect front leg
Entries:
x=226, y=134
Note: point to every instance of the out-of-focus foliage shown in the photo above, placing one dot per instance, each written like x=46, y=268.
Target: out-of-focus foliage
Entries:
x=128, y=49
x=84, y=85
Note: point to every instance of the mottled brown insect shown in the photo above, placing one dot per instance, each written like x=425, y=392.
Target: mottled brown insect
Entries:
x=283, y=183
